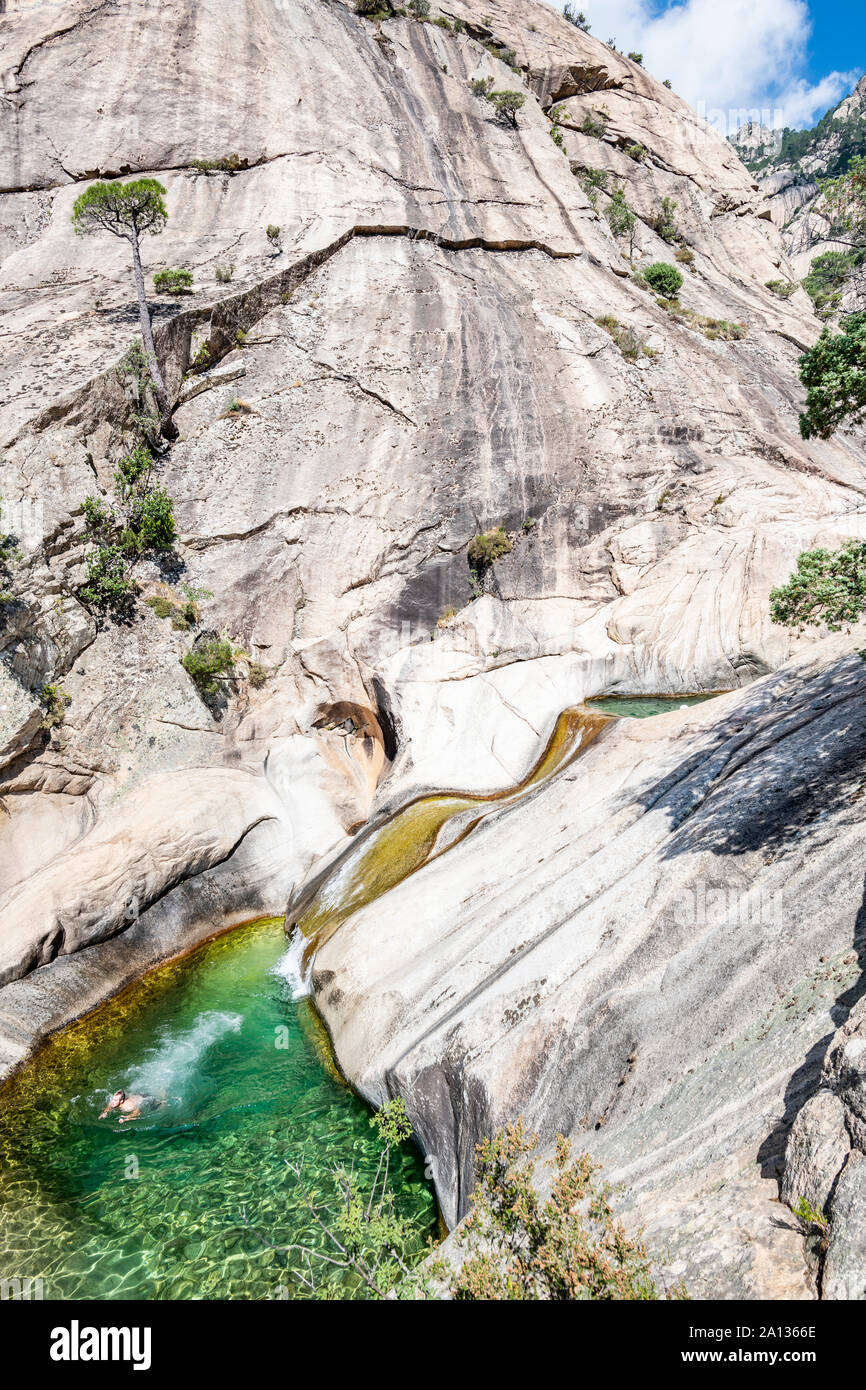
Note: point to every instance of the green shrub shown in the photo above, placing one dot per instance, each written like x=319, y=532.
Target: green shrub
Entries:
x=162, y=606
x=173, y=282
x=132, y=473
x=685, y=255
x=210, y=664
x=224, y=273
x=630, y=344
x=809, y=1215
x=227, y=164
x=258, y=674
x=151, y=521
x=595, y=124
x=556, y=115
x=664, y=223
x=835, y=380
x=202, y=359
x=593, y=182
x=107, y=585
x=720, y=328
x=481, y=86
x=575, y=17
x=144, y=522
x=711, y=328
x=783, y=289
x=665, y=279
x=419, y=9
x=502, y=52
x=184, y=612
x=272, y=233
x=564, y=1247
x=506, y=104
x=828, y=588
x=636, y=152
x=622, y=219
x=98, y=518
x=827, y=277
x=635, y=57
x=488, y=547
x=54, y=701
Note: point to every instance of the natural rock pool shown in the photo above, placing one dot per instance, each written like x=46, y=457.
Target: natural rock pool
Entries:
x=643, y=706
x=153, y=1208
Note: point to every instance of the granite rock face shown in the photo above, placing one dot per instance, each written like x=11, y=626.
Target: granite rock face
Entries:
x=431, y=346
x=817, y=1151
x=651, y=955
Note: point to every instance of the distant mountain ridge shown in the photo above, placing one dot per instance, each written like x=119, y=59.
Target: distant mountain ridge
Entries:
x=789, y=165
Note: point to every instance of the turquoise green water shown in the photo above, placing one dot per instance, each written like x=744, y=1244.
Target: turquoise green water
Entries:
x=642, y=707
x=153, y=1208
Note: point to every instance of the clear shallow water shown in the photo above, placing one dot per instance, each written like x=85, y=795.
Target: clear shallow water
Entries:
x=152, y=1208
x=642, y=707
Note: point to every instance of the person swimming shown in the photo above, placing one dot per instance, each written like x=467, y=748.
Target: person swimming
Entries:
x=130, y=1107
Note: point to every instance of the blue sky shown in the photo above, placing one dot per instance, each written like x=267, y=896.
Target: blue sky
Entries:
x=838, y=37
x=784, y=62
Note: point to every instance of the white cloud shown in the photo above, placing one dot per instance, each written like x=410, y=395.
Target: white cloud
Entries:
x=732, y=60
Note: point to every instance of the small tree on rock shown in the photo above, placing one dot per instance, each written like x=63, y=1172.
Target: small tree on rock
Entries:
x=828, y=588
x=621, y=218
x=563, y=1247
x=128, y=210
x=576, y=17
x=834, y=374
x=507, y=104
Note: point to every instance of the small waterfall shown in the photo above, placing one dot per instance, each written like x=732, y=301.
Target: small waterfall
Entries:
x=291, y=966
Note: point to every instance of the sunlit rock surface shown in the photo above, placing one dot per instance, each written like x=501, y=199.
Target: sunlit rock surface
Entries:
x=650, y=954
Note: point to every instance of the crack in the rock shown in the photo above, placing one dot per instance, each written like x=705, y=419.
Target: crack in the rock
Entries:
x=245, y=309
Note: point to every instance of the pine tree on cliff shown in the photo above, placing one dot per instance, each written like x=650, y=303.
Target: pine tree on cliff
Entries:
x=129, y=210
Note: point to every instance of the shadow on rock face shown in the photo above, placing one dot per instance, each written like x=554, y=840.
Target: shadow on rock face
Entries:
x=793, y=757
x=780, y=774
x=805, y=1080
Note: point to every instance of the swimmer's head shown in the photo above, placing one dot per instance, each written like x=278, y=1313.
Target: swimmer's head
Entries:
x=115, y=1102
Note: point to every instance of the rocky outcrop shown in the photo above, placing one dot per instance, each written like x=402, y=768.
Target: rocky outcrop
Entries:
x=424, y=352
x=790, y=179
x=825, y=1159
